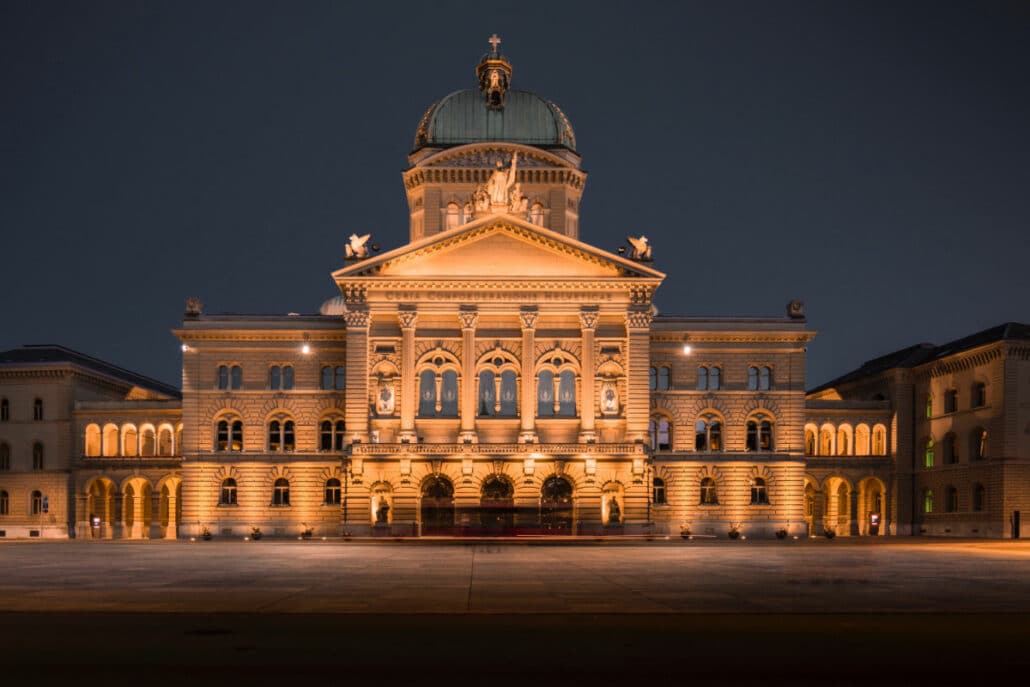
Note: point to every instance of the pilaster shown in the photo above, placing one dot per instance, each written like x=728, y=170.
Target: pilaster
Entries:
x=527, y=318
x=588, y=406
x=409, y=386
x=468, y=317
x=356, y=394
x=638, y=357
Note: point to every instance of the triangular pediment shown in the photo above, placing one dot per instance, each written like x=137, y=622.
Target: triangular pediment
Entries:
x=499, y=246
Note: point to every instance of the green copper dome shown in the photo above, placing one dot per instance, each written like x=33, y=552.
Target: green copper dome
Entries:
x=467, y=117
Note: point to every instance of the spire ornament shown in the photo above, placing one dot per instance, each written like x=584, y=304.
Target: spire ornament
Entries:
x=494, y=73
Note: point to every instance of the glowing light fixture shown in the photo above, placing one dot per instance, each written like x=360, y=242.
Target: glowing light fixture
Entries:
x=305, y=349
x=686, y=349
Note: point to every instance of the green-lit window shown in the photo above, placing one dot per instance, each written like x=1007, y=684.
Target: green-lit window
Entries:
x=928, y=501
x=928, y=454
x=929, y=406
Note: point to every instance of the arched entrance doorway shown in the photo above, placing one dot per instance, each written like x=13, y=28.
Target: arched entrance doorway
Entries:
x=556, y=506
x=100, y=508
x=437, y=506
x=497, y=506
x=871, y=516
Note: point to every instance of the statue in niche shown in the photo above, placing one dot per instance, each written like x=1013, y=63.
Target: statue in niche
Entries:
x=614, y=512
x=386, y=399
x=609, y=399
x=519, y=204
x=383, y=512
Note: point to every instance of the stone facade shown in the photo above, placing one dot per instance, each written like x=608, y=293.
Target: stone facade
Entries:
x=498, y=376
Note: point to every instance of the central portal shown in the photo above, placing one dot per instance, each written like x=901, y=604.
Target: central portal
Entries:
x=437, y=506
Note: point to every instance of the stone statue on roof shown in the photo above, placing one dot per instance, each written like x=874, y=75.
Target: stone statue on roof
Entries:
x=501, y=181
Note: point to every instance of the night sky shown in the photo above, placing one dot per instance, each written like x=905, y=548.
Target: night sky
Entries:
x=870, y=158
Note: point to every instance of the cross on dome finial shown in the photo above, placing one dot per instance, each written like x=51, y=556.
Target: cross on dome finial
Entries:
x=494, y=41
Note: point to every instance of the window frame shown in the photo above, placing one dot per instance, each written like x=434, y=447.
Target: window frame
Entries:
x=658, y=493
x=228, y=494
x=759, y=492
x=281, y=493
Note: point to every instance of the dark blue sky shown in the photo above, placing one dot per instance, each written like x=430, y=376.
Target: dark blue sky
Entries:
x=871, y=158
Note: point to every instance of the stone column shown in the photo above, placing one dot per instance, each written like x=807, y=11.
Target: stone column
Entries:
x=356, y=393
x=154, y=530
x=588, y=404
x=853, y=524
x=172, y=529
x=528, y=317
x=818, y=514
x=638, y=359
x=117, y=524
x=468, y=317
x=82, y=523
x=409, y=385
x=138, y=526
x=885, y=512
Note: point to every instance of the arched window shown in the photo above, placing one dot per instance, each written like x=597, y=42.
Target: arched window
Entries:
x=545, y=393
x=36, y=501
x=928, y=501
x=759, y=433
x=5, y=410
x=487, y=394
x=509, y=394
x=567, y=393
x=327, y=377
x=453, y=218
x=177, y=444
x=130, y=440
x=287, y=377
x=37, y=409
x=449, y=394
x=275, y=377
x=536, y=214
x=664, y=378
x=281, y=492
x=5, y=503
x=331, y=435
x=37, y=456
x=949, y=454
x=843, y=443
x=708, y=433
x=427, y=394
x=5, y=457
x=764, y=378
x=759, y=493
x=929, y=406
x=752, y=378
x=951, y=500
x=229, y=435
x=879, y=440
x=709, y=496
x=281, y=436
x=809, y=442
x=862, y=440
x=652, y=379
x=236, y=377
x=714, y=379
x=110, y=446
x=223, y=376
x=826, y=441
x=164, y=442
x=979, y=498
x=92, y=440
x=928, y=450
x=660, y=432
x=978, y=444
x=658, y=491
x=702, y=379
x=339, y=378
x=228, y=495
x=332, y=492
x=148, y=444
x=978, y=398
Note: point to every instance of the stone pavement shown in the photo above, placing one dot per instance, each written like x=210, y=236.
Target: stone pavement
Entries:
x=863, y=576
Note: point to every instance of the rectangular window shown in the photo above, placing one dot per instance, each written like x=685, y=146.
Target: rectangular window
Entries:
x=950, y=401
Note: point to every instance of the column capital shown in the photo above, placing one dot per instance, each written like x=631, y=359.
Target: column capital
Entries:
x=528, y=318
x=588, y=318
x=468, y=318
x=408, y=318
x=357, y=318
x=639, y=319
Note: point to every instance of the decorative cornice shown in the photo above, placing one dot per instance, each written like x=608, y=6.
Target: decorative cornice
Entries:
x=356, y=318
x=516, y=450
x=639, y=319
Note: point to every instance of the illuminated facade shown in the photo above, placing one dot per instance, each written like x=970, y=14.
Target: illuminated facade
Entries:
x=495, y=375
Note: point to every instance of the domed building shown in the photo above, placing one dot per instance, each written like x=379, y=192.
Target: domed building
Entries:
x=498, y=375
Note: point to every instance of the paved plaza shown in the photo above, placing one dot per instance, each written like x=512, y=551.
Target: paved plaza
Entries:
x=899, y=576
x=756, y=612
